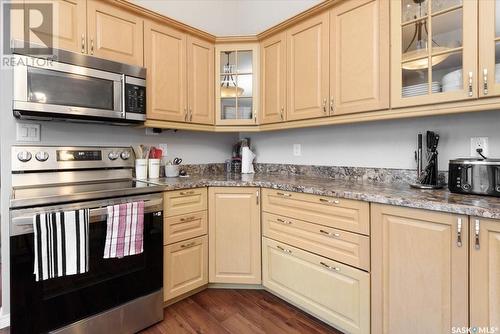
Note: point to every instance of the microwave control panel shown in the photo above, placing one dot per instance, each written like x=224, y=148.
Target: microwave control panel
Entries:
x=135, y=99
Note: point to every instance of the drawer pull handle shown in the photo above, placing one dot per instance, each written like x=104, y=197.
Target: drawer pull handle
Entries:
x=476, y=234
x=189, y=245
x=188, y=219
x=284, y=250
x=459, y=232
x=286, y=222
x=332, y=235
x=284, y=194
x=330, y=267
x=184, y=193
x=329, y=201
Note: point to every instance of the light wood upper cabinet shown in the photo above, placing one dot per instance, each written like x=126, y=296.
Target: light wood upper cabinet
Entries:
x=359, y=56
x=68, y=28
x=419, y=271
x=165, y=60
x=273, y=74
x=200, y=65
x=489, y=48
x=433, y=52
x=234, y=235
x=114, y=33
x=484, y=273
x=308, y=68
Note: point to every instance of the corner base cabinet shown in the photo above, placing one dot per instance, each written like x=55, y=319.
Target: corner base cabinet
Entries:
x=335, y=293
x=234, y=234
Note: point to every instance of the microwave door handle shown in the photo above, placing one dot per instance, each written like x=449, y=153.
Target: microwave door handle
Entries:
x=123, y=97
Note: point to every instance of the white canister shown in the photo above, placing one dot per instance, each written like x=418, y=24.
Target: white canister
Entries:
x=172, y=170
x=141, y=169
x=154, y=168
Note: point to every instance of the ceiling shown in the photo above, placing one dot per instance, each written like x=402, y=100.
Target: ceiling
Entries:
x=229, y=17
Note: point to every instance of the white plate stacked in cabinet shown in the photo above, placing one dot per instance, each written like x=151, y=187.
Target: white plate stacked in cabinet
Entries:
x=185, y=238
x=316, y=254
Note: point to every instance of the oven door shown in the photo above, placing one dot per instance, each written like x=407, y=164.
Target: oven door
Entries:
x=52, y=89
x=40, y=307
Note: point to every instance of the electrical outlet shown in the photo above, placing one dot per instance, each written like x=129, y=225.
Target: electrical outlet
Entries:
x=297, y=150
x=479, y=142
x=28, y=132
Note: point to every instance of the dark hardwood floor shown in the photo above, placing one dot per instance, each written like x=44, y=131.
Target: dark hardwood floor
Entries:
x=223, y=311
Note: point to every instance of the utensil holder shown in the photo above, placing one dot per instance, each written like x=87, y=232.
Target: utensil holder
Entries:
x=154, y=168
x=172, y=170
x=141, y=169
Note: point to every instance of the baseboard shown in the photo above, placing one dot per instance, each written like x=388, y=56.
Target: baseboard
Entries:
x=4, y=320
x=235, y=286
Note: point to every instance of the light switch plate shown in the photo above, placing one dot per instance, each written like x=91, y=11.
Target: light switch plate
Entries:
x=28, y=132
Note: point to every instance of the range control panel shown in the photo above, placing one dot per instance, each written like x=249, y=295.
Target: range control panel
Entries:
x=34, y=158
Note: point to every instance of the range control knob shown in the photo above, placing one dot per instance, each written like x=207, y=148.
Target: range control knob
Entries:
x=113, y=155
x=498, y=189
x=125, y=155
x=42, y=156
x=24, y=156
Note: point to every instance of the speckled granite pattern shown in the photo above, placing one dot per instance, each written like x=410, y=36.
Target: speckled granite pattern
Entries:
x=202, y=169
x=386, y=175
x=376, y=192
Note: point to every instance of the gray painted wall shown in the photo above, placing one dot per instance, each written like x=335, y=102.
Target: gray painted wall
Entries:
x=388, y=144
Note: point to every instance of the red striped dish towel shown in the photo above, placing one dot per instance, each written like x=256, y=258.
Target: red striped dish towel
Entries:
x=124, y=235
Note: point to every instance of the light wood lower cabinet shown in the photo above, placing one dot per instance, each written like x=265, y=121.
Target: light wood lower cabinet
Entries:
x=349, y=215
x=186, y=201
x=185, y=267
x=484, y=273
x=419, y=271
x=234, y=234
x=185, y=227
x=335, y=293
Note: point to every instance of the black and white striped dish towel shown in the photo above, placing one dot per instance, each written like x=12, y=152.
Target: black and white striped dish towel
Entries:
x=61, y=243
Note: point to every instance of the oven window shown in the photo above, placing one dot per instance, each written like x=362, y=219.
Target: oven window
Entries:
x=59, y=88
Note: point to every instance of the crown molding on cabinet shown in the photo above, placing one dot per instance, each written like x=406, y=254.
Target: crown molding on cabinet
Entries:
x=236, y=39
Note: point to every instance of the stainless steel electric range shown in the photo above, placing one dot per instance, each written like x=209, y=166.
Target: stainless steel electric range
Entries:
x=116, y=295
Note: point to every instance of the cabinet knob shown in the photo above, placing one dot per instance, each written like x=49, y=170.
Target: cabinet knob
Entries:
x=477, y=226
x=83, y=43
x=91, y=46
x=485, y=81
x=324, y=106
x=459, y=232
x=470, y=84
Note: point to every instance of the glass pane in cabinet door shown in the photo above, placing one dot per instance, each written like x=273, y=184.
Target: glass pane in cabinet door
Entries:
x=245, y=108
x=447, y=70
x=438, y=5
x=245, y=83
x=413, y=9
x=245, y=62
x=228, y=85
x=228, y=108
x=415, y=78
x=497, y=62
x=228, y=62
x=414, y=40
x=497, y=18
x=447, y=30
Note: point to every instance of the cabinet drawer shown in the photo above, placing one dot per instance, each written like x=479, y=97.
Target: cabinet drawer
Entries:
x=184, y=227
x=185, y=267
x=338, y=213
x=349, y=248
x=180, y=202
x=331, y=291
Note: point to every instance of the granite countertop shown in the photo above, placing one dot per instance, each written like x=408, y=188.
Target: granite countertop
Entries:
x=386, y=193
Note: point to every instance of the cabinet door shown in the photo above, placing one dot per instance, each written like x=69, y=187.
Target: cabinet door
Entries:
x=114, y=33
x=419, y=271
x=165, y=59
x=273, y=74
x=485, y=273
x=69, y=24
x=359, y=56
x=200, y=81
x=185, y=267
x=334, y=292
x=489, y=48
x=234, y=234
x=433, y=51
x=308, y=68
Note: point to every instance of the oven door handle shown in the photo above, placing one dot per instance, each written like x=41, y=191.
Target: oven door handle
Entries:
x=95, y=214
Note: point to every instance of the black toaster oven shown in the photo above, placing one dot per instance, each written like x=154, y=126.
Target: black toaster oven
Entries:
x=475, y=176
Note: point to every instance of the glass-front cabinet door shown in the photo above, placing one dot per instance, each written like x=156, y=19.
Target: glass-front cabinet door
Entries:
x=237, y=84
x=489, y=48
x=434, y=51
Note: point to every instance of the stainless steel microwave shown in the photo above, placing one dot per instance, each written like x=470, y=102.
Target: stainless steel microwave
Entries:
x=80, y=88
